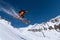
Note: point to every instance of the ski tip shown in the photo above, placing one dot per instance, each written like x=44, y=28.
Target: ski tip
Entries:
x=26, y=21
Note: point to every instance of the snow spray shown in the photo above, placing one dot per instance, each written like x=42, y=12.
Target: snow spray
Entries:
x=7, y=8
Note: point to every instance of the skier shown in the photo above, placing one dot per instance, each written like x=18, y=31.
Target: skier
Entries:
x=21, y=16
x=22, y=12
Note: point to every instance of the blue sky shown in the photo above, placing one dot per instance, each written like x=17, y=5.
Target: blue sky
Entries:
x=39, y=11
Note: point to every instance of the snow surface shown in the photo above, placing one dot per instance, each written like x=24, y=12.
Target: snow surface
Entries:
x=8, y=32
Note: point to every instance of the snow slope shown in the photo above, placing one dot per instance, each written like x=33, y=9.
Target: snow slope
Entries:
x=7, y=32
x=43, y=31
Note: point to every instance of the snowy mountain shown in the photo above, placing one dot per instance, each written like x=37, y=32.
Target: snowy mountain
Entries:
x=45, y=31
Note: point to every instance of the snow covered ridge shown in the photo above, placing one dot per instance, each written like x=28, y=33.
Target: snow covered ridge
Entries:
x=4, y=21
x=45, y=31
x=51, y=24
